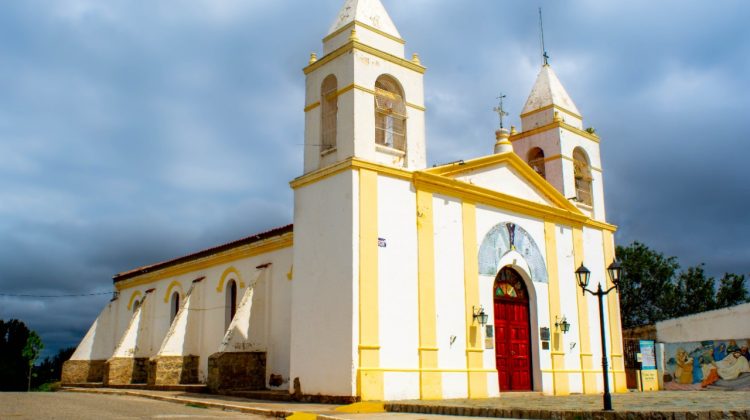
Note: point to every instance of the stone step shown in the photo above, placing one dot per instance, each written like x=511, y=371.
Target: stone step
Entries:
x=267, y=394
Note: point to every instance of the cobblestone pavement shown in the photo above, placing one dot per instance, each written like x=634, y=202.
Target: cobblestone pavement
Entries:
x=676, y=405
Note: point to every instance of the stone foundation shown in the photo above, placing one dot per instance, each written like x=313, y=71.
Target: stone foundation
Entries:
x=173, y=370
x=83, y=371
x=244, y=370
x=125, y=371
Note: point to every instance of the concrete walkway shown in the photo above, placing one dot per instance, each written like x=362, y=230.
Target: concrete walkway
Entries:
x=664, y=405
x=672, y=405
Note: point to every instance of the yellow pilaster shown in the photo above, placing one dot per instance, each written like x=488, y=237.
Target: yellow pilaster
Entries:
x=584, y=339
x=430, y=382
x=560, y=382
x=613, y=314
x=369, y=382
x=474, y=348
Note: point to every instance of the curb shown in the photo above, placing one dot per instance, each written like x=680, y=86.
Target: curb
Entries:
x=519, y=413
x=201, y=403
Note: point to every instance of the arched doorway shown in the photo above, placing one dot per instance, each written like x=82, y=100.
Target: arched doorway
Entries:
x=512, y=331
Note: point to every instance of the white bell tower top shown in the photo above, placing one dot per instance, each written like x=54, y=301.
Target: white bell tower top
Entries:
x=363, y=98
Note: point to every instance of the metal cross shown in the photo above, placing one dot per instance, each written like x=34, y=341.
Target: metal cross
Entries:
x=500, y=110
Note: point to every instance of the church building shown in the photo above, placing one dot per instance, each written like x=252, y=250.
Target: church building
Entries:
x=396, y=280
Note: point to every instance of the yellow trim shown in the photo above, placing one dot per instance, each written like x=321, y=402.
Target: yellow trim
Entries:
x=312, y=106
x=228, y=256
x=225, y=274
x=370, y=385
x=518, y=164
x=430, y=383
x=428, y=370
x=584, y=335
x=133, y=297
x=613, y=315
x=554, y=125
x=174, y=283
x=550, y=106
x=560, y=384
x=372, y=92
x=474, y=354
x=366, y=26
x=354, y=45
x=350, y=164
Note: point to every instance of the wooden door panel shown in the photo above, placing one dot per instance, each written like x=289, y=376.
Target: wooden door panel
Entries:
x=512, y=343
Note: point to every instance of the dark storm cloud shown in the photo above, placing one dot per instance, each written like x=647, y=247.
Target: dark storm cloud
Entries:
x=134, y=131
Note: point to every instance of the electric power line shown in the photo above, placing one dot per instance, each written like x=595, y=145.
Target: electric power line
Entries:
x=53, y=296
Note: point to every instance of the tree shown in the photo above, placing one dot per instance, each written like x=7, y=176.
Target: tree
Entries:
x=50, y=370
x=13, y=337
x=732, y=291
x=31, y=352
x=647, y=290
x=696, y=292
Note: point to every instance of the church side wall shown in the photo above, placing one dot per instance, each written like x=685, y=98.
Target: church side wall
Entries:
x=270, y=327
x=325, y=292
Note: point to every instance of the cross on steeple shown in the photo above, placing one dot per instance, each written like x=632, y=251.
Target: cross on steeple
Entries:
x=500, y=110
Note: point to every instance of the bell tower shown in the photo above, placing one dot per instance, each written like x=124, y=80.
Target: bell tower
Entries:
x=363, y=99
x=555, y=144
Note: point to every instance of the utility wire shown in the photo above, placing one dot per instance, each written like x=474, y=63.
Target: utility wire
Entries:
x=53, y=296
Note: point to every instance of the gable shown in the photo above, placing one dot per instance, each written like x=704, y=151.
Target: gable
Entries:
x=503, y=178
x=506, y=174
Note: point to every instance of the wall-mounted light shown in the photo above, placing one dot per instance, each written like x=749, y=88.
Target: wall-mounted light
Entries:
x=479, y=315
x=562, y=324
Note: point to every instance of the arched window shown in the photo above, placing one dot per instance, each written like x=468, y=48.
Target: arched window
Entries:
x=390, y=114
x=136, y=305
x=329, y=102
x=174, y=306
x=231, y=302
x=582, y=174
x=536, y=161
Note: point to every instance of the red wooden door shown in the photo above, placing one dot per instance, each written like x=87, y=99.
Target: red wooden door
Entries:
x=512, y=332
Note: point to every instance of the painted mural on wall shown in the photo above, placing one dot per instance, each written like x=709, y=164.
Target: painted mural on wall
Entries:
x=504, y=238
x=714, y=365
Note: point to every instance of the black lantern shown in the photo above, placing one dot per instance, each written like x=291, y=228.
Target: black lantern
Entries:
x=583, y=275
x=562, y=324
x=480, y=315
x=615, y=270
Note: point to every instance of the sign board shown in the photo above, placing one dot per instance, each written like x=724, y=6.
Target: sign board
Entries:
x=648, y=375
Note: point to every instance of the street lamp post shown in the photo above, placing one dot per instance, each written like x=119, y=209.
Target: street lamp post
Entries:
x=583, y=275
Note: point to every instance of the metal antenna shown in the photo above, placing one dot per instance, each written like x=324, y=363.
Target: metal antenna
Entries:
x=500, y=110
x=545, y=56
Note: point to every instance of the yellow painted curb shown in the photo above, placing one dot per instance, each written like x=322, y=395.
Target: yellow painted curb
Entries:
x=302, y=416
x=362, y=407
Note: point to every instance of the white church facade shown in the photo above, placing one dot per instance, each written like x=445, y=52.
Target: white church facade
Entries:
x=395, y=281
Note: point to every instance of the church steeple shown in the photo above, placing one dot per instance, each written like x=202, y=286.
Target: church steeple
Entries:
x=364, y=99
x=549, y=95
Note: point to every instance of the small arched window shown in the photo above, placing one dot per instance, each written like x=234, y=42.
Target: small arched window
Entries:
x=536, y=161
x=390, y=114
x=329, y=102
x=582, y=174
x=231, y=302
x=174, y=306
x=136, y=305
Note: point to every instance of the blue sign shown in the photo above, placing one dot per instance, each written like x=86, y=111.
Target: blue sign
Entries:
x=648, y=355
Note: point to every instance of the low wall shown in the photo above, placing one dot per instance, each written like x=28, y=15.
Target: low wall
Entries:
x=243, y=370
x=83, y=371
x=126, y=370
x=173, y=370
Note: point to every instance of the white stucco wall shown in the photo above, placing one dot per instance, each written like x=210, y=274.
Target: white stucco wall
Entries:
x=398, y=293
x=721, y=324
x=504, y=178
x=100, y=340
x=325, y=296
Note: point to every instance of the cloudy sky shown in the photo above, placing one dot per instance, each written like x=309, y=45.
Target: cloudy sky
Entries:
x=135, y=131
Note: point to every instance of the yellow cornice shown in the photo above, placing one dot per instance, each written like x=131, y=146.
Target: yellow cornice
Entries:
x=366, y=26
x=350, y=164
x=454, y=188
x=554, y=125
x=243, y=251
x=356, y=45
x=558, y=107
x=514, y=161
x=363, y=89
